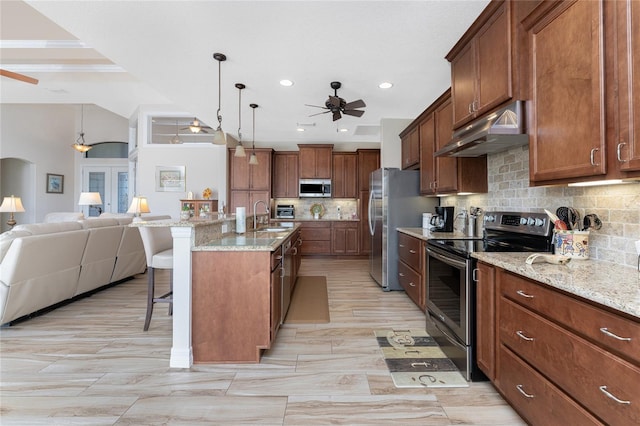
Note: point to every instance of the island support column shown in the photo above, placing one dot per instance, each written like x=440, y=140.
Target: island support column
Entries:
x=182, y=351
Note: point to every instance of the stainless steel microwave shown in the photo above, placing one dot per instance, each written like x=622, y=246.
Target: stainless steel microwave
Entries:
x=315, y=188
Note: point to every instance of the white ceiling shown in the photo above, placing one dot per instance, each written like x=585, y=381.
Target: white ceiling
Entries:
x=164, y=50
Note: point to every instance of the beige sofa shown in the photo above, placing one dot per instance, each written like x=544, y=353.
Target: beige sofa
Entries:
x=46, y=263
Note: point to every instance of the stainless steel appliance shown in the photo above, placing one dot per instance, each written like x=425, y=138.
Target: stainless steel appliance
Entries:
x=285, y=211
x=442, y=221
x=451, y=295
x=314, y=188
x=394, y=201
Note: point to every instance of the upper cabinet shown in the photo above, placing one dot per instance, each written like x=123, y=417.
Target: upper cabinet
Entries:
x=410, y=141
x=315, y=161
x=345, y=175
x=445, y=175
x=249, y=183
x=368, y=161
x=584, y=100
x=285, y=175
x=482, y=72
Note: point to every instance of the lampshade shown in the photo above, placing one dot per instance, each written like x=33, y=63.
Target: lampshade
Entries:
x=219, y=138
x=139, y=205
x=11, y=204
x=240, y=152
x=90, y=199
x=239, y=148
x=253, y=159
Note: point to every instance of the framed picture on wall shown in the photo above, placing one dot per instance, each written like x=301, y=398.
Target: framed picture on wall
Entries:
x=170, y=178
x=55, y=183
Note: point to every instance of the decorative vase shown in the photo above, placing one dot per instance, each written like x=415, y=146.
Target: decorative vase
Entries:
x=185, y=215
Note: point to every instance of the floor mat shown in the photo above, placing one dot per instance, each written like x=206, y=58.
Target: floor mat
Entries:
x=415, y=360
x=309, y=301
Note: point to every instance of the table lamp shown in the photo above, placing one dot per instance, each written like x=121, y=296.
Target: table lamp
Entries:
x=138, y=206
x=11, y=205
x=91, y=199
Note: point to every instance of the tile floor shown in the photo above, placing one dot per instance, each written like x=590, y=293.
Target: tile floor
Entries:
x=90, y=363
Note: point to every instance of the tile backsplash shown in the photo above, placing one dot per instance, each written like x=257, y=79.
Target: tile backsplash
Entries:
x=348, y=207
x=617, y=206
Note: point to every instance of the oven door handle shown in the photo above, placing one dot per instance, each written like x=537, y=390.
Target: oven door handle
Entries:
x=451, y=338
x=446, y=259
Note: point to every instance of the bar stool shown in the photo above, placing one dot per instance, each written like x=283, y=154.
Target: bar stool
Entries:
x=158, y=249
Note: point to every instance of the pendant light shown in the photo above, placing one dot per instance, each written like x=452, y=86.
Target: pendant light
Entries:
x=80, y=144
x=219, y=137
x=176, y=139
x=239, y=148
x=253, y=159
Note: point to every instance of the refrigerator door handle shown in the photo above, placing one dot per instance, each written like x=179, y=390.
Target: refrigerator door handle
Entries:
x=371, y=213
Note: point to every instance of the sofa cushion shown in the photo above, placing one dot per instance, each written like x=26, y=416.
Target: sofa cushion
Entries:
x=48, y=228
x=6, y=238
x=55, y=217
x=98, y=223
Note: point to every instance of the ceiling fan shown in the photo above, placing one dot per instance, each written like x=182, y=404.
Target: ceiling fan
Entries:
x=196, y=126
x=338, y=106
x=19, y=77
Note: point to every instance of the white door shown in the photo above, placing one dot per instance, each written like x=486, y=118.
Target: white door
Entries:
x=112, y=182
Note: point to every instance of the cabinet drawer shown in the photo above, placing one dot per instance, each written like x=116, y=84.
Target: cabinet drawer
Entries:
x=316, y=234
x=409, y=251
x=411, y=282
x=316, y=247
x=594, y=323
x=588, y=373
x=536, y=399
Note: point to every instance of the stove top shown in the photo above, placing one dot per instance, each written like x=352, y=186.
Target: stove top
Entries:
x=504, y=232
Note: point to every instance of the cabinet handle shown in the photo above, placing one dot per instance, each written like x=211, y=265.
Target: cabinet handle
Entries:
x=295, y=251
x=412, y=251
x=282, y=272
x=470, y=108
x=523, y=294
x=475, y=105
x=618, y=152
x=401, y=274
x=604, y=390
x=527, y=395
x=592, y=156
x=474, y=275
x=401, y=245
x=523, y=337
x=610, y=334
x=412, y=284
x=279, y=257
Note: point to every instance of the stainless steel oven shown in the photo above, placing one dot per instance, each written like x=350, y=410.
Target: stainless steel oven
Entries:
x=451, y=296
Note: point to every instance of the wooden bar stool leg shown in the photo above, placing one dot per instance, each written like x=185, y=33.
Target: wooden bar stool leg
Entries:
x=150, y=293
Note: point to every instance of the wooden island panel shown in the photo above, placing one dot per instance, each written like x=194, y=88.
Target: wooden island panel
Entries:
x=231, y=316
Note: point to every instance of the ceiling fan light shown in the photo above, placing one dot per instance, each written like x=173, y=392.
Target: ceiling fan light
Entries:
x=176, y=140
x=253, y=159
x=80, y=145
x=240, y=151
x=195, y=129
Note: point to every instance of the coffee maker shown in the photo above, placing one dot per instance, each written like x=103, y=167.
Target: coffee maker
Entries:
x=442, y=221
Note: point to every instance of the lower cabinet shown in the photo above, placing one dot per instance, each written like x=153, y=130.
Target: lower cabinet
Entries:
x=327, y=237
x=276, y=292
x=316, y=237
x=411, y=264
x=558, y=359
x=345, y=238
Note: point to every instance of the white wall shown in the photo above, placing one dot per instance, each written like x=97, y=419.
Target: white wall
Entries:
x=391, y=148
x=205, y=164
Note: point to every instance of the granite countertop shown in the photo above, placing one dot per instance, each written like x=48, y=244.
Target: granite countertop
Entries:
x=425, y=234
x=249, y=241
x=310, y=219
x=191, y=223
x=606, y=283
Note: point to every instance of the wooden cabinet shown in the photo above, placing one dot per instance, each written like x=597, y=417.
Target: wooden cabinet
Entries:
x=445, y=175
x=589, y=354
x=410, y=149
x=486, y=319
x=199, y=208
x=368, y=161
x=482, y=70
x=315, y=161
x=276, y=293
x=249, y=183
x=285, y=175
x=411, y=264
x=345, y=238
x=316, y=237
x=345, y=175
x=623, y=81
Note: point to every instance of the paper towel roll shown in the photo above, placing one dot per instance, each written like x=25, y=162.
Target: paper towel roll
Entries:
x=241, y=220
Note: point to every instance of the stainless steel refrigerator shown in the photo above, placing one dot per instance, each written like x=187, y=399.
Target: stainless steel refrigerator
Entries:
x=394, y=201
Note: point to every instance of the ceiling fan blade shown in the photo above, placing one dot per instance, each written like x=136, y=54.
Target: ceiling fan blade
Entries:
x=355, y=104
x=336, y=115
x=354, y=112
x=318, y=113
x=20, y=77
x=334, y=101
x=315, y=106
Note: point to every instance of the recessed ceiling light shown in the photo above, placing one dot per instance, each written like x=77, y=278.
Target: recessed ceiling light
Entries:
x=286, y=83
x=385, y=85
x=342, y=130
x=300, y=129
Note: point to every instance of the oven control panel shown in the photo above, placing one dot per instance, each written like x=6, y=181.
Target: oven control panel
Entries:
x=527, y=223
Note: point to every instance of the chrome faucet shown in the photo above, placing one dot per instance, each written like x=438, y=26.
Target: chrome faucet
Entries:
x=255, y=206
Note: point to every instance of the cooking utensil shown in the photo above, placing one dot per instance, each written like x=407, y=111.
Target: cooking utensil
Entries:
x=559, y=224
x=564, y=214
x=575, y=220
x=591, y=221
x=548, y=258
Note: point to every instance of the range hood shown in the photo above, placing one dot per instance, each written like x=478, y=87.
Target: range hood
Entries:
x=495, y=132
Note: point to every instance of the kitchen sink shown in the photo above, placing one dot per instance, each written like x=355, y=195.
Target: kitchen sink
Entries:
x=273, y=229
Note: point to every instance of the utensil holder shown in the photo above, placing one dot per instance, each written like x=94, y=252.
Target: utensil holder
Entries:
x=573, y=244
